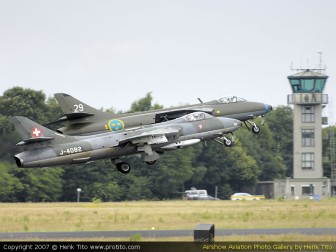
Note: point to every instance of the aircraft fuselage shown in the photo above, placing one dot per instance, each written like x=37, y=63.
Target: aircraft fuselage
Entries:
x=82, y=149
x=238, y=109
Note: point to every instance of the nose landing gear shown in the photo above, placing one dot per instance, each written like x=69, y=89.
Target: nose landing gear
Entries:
x=255, y=129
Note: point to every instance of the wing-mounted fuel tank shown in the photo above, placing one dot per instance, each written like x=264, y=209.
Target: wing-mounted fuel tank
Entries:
x=181, y=144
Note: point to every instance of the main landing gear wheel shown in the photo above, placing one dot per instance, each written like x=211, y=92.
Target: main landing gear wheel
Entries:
x=255, y=129
x=123, y=167
x=150, y=162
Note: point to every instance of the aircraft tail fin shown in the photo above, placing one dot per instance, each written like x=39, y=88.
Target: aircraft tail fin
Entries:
x=74, y=108
x=32, y=132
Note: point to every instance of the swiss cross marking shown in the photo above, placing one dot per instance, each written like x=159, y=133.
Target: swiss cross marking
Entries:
x=36, y=132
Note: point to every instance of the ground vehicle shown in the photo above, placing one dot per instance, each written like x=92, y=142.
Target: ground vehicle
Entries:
x=195, y=194
x=246, y=196
x=208, y=198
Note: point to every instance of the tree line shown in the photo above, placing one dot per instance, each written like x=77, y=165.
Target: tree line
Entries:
x=265, y=156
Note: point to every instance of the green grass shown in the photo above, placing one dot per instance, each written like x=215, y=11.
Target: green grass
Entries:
x=43, y=217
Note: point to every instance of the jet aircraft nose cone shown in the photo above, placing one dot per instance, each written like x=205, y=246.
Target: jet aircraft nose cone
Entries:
x=268, y=108
x=231, y=123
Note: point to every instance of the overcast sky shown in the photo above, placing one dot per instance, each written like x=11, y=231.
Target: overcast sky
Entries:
x=110, y=53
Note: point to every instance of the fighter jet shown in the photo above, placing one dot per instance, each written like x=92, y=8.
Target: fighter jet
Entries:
x=48, y=148
x=85, y=119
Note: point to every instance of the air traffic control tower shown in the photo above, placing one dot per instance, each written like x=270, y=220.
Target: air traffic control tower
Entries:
x=308, y=100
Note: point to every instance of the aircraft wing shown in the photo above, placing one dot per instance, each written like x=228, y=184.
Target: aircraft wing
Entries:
x=144, y=140
x=150, y=137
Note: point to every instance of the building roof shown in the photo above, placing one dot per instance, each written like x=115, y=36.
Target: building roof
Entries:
x=308, y=73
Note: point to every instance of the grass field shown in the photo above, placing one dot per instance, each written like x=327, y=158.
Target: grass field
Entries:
x=161, y=215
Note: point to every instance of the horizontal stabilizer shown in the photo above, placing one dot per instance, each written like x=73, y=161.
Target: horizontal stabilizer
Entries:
x=76, y=115
x=34, y=140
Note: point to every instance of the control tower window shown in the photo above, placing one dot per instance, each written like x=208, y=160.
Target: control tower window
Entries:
x=308, y=161
x=308, y=114
x=308, y=137
x=295, y=85
x=319, y=84
x=308, y=84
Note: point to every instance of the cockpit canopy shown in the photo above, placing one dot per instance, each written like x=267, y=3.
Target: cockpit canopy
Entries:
x=230, y=99
x=196, y=116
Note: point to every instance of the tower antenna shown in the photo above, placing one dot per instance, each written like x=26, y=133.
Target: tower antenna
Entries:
x=320, y=68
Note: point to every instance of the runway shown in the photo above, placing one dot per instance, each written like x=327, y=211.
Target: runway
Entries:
x=162, y=233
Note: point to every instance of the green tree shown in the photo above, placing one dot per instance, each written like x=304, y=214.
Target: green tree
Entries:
x=328, y=139
x=171, y=172
x=134, y=186
x=18, y=101
x=23, y=184
x=10, y=185
x=8, y=139
x=264, y=151
x=53, y=112
x=280, y=122
x=39, y=184
x=97, y=181
x=24, y=102
x=144, y=104
x=230, y=169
